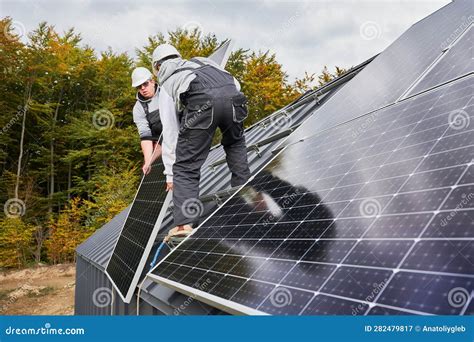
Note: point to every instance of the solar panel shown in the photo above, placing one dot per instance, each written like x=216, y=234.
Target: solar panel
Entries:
x=456, y=62
x=394, y=70
x=373, y=216
x=139, y=232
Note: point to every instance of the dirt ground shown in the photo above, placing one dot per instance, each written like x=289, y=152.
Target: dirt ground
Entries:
x=42, y=290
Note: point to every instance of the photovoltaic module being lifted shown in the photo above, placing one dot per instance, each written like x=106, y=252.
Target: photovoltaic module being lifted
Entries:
x=139, y=232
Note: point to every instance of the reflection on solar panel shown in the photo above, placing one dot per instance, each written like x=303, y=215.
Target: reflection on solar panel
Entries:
x=394, y=70
x=139, y=232
x=373, y=216
x=457, y=61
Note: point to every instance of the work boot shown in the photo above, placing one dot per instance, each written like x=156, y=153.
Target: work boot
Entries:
x=179, y=232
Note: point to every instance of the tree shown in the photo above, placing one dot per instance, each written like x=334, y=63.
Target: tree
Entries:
x=67, y=137
x=66, y=232
x=15, y=239
x=265, y=84
x=189, y=43
x=326, y=76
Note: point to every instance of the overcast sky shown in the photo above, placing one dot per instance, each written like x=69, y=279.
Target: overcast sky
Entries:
x=305, y=35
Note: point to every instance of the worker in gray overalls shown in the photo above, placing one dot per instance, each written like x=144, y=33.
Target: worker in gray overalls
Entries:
x=207, y=97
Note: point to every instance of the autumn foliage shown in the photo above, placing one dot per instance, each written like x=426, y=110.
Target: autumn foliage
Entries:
x=69, y=150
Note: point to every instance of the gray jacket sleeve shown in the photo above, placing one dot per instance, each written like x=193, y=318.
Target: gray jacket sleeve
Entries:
x=170, y=122
x=139, y=117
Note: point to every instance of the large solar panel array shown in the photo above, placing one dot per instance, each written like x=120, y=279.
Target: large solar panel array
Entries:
x=390, y=75
x=139, y=232
x=373, y=216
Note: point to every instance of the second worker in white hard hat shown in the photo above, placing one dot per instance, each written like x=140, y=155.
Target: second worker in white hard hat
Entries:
x=146, y=115
x=210, y=98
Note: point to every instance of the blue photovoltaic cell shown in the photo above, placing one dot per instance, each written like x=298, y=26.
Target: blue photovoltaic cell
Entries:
x=449, y=256
x=325, y=305
x=460, y=197
x=457, y=223
x=309, y=276
x=293, y=231
x=227, y=287
x=346, y=228
x=357, y=283
x=273, y=271
x=398, y=226
x=431, y=293
x=468, y=177
x=379, y=253
x=126, y=264
x=252, y=293
x=457, y=61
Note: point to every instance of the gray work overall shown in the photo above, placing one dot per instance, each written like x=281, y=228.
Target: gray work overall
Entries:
x=211, y=101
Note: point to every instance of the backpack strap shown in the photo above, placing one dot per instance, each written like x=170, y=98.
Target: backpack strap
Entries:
x=145, y=108
x=198, y=62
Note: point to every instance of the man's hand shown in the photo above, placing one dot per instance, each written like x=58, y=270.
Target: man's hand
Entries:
x=169, y=186
x=146, y=168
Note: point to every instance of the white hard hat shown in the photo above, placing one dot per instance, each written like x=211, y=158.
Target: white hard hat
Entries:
x=162, y=51
x=140, y=75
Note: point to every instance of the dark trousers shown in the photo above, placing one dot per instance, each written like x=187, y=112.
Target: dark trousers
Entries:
x=199, y=123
